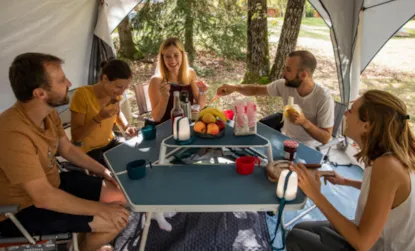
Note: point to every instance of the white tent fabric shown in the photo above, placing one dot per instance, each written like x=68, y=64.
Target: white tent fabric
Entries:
x=102, y=30
x=59, y=27
x=117, y=10
x=62, y=28
x=380, y=19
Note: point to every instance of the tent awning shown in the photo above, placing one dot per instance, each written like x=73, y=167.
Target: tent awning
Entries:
x=59, y=27
x=381, y=19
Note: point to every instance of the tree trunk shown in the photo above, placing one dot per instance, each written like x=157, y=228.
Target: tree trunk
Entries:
x=257, y=60
x=188, y=34
x=127, y=46
x=288, y=37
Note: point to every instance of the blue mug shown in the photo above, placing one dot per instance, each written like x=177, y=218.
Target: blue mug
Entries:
x=149, y=132
x=137, y=169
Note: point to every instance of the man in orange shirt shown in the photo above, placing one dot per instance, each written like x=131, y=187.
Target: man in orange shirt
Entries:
x=31, y=131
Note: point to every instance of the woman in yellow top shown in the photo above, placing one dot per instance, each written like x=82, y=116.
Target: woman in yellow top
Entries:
x=95, y=109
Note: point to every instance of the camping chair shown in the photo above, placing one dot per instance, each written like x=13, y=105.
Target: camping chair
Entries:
x=338, y=139
x=32, y=242
x=142, y=98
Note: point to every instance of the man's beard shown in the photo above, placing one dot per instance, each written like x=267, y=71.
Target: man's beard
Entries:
x=54, y=100
x=293, y=83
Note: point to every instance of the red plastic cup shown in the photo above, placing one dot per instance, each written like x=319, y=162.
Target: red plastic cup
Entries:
x=229, y=114
x=245, y=165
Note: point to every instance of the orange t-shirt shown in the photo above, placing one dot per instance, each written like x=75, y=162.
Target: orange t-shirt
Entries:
x=27, y=153
x=85, y=102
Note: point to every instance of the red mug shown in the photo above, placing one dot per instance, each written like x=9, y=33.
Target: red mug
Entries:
x=229, y=114
x=245, y=165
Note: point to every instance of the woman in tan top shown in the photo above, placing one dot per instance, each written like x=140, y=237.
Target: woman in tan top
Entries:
x=173, y=74
x=385, y=215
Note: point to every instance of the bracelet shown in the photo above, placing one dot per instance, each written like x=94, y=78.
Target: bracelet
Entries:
x=96, y=121
x=202, y=93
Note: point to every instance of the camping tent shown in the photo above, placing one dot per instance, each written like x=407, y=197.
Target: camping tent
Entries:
x=77, y=31
x=359, y=29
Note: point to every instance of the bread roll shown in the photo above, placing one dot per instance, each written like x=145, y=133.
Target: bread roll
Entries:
x=275, y=168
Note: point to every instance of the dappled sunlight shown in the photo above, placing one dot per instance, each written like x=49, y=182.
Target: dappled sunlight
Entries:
x=135, y=143
x=246, y=238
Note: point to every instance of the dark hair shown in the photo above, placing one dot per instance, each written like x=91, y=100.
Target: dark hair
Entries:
x=115, y=69
x=27, y=72
x=308, y=60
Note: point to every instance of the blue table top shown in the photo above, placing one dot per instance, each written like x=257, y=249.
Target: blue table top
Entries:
x=200, y=188
x=304, y=153
x=138, y=148
x=196, y=188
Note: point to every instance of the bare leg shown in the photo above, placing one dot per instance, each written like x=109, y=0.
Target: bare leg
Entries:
x=95, y=241
x=102, y=233
x=111, y=193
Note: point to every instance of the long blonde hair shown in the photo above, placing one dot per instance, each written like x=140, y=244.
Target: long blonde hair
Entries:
x=388, y=129
x=184, y=75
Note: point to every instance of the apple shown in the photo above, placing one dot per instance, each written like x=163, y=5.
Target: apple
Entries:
x=221, y=124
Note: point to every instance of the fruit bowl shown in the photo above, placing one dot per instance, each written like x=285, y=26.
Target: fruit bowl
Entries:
x=210, y=136
x=210, y=124
x=209, y=131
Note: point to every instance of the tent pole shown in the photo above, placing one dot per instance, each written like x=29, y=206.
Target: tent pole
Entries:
x=356, y=63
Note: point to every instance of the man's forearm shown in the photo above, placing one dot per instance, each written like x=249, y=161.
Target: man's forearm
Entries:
x=77, y=157
x=252, y=90
x=63, y=202
x=316, y=132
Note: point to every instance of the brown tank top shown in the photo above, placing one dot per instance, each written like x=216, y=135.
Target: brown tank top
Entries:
x=176, y=87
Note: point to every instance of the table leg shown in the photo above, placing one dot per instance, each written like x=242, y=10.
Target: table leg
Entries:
x=269, y=153
x=162, y=155
x=145, y=231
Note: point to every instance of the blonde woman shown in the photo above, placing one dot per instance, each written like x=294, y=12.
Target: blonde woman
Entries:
x=385, y=215
x=173, y=74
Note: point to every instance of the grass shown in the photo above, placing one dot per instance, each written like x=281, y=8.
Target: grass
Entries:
x=400, y=84
x=313, y=21
x=410, y=31
x=310, y=27
x=315, y=35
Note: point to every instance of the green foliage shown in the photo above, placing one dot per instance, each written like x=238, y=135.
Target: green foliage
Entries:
x=264, y=80
x=252, y=77
x=309, y=10
x=278, y=4
x=218, y=26
x=150, y=26
x=203, y=71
